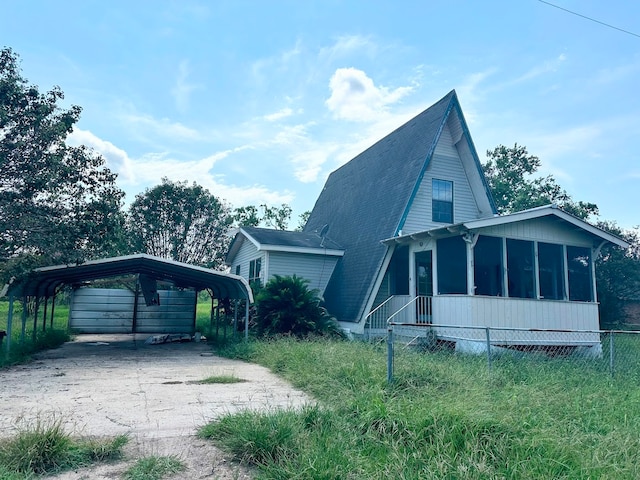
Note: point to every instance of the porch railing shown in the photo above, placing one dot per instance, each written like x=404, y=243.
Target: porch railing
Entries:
x=399, y=309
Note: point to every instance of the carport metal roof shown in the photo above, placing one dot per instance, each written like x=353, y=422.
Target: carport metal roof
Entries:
x=44, y=281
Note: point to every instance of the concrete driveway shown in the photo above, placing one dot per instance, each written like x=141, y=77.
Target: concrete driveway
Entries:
x=104, y=385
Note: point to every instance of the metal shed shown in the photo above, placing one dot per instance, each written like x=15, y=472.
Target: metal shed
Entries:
x=44, y=283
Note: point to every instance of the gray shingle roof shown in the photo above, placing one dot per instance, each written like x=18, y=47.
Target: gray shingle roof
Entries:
x=364, y=200
x=269, y=236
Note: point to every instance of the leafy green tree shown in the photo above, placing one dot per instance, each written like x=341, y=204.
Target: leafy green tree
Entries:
x=617, y=275
x=180, y=222
x=286, y=306
x=58, y=203
x=246, y=216
x=510, y=173
x=271, y=217
x=303, y=218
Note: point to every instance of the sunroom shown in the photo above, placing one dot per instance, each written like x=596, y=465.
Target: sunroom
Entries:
x=533, y=270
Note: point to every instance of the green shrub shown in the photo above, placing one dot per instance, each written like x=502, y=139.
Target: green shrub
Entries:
x=286, y=306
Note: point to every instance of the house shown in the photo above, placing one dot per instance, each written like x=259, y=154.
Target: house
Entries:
x=258, y=254
x=416, y=222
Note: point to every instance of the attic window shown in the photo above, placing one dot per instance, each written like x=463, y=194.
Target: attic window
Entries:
x=441, y=201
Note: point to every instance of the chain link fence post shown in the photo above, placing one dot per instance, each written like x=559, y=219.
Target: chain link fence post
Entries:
x=390, y=354
x=488, y=334
x=611, y=354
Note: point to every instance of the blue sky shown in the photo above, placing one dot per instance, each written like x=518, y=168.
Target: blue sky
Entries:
x=260, y=100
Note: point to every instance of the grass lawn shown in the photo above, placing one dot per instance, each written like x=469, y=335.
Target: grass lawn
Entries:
x=50, y=338
x=444, y=417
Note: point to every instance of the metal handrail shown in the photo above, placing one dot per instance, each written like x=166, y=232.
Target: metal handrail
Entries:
x=414, y=300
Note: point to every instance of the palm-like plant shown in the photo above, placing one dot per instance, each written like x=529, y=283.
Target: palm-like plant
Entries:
x=286, y=306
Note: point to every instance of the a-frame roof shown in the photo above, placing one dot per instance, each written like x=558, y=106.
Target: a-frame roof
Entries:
x=366, y=201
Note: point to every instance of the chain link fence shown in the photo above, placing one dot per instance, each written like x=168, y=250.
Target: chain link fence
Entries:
x=615, y=353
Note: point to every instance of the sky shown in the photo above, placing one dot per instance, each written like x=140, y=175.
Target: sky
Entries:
x=258, y=101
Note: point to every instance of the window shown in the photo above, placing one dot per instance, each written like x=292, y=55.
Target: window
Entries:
x=520, y=268
x=452, y=265
x=441, y=201
x=551, y=271
x=238, y=270
x=487, y=260
x=254, y=270
x=579, y=266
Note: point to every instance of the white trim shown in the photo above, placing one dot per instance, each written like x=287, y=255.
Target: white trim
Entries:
x=310, y=250
x=530, y=214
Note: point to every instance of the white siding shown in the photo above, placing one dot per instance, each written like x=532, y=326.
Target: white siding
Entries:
x=445, y=165
x=247, y=252
x=102, y=310
x=315, y=268
x=541, y=229
x=518, y=313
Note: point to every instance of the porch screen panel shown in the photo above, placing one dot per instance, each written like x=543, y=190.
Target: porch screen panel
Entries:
x=579, y=266
x=551, y=271
x=452, y=265
x=520, y=268
x=487, y=260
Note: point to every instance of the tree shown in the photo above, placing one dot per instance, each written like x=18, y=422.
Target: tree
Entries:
x=303, y=218
x=617, y=275
x=57, y=203
x=180, y=222
x=286, y=306
x=272, y=217
x=509, y=172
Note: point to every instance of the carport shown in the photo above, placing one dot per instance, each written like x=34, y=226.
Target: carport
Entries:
x=44, y=283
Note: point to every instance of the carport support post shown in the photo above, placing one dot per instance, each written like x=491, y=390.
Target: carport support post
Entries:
x=9, y=324
x=246, y=320
x=44, y=314
x=24, y=319
x=217, y=318
x=53, y=307
x=235, y=317
x=35, y=319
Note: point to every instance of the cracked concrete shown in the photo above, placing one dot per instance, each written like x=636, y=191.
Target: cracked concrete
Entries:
x=105, y=385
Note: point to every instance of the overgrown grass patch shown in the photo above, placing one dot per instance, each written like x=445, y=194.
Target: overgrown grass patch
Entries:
x=45, y=447
x=154, y=468
x=213, y=379
x=445, y=416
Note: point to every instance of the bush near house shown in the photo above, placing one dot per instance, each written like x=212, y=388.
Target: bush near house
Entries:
x=286, y=306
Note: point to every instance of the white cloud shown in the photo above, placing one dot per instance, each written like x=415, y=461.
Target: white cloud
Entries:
x=347, y=45
x=546, y=67
x=182, y=89
x=279, y=115
x=355, y=97
x=117, y=159
x=163, y=128
x=308, y=163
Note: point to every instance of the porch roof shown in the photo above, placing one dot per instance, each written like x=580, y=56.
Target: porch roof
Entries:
x=532, y=213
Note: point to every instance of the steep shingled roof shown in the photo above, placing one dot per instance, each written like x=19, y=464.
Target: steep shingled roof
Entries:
x=363, y=203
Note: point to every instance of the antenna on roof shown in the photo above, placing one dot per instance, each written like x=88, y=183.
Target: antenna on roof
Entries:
x=323, y=233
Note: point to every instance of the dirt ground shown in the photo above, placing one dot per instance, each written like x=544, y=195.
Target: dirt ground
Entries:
x=105, y=385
